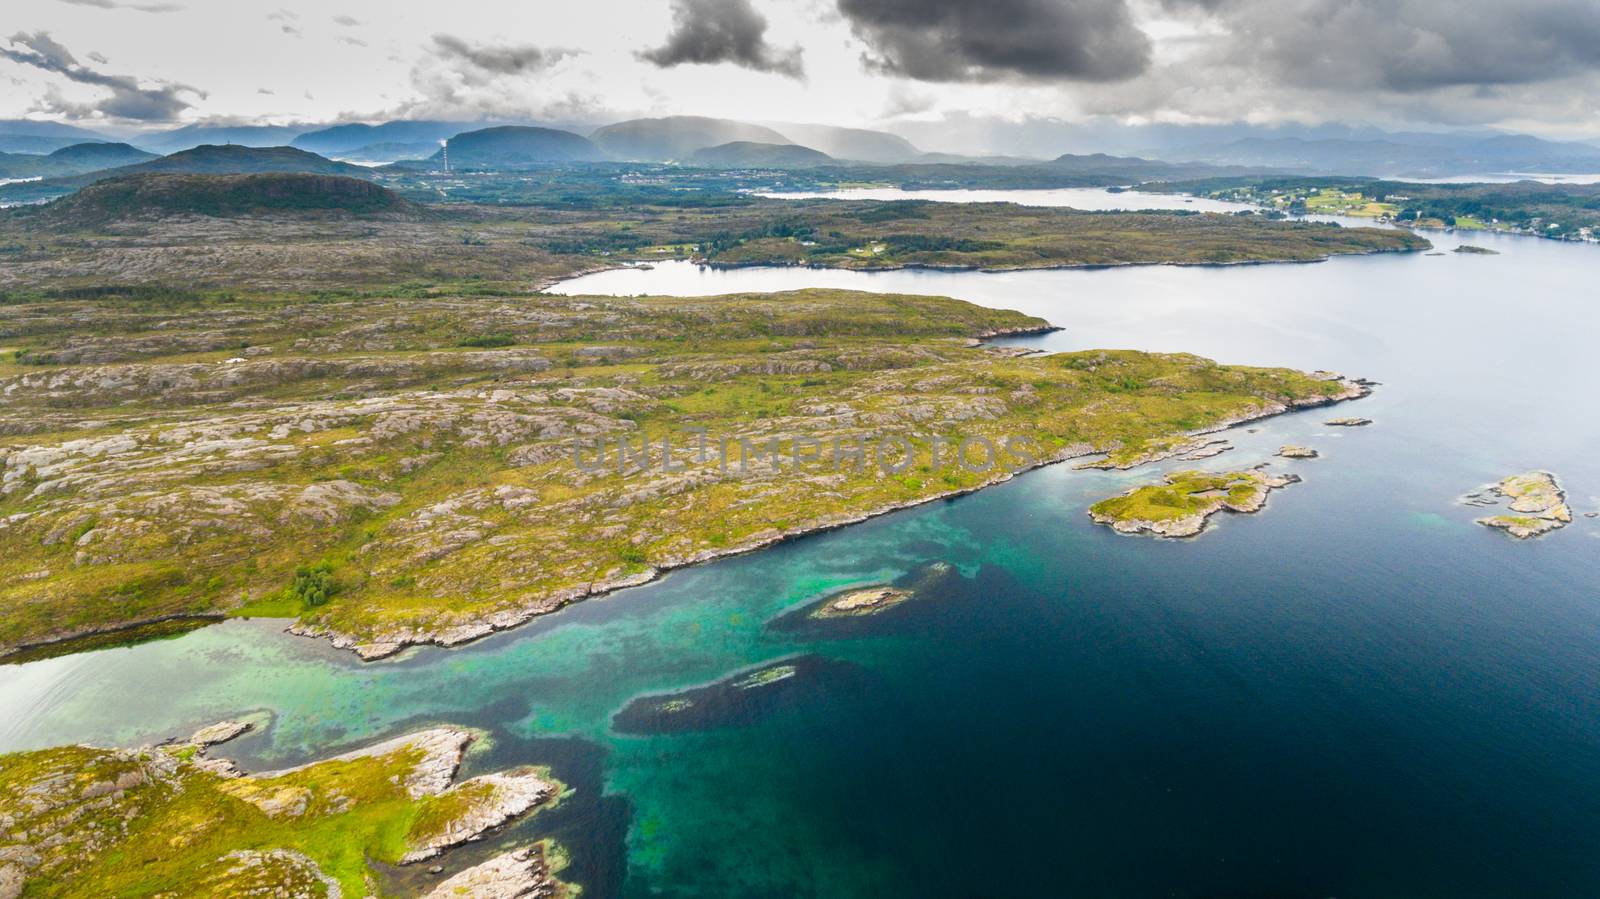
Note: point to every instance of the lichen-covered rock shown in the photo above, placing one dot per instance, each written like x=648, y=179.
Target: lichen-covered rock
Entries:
x=520, y=874
x=1539, y=504
x=473, y=807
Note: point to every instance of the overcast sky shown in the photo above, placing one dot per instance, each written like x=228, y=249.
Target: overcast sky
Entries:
x=1528, y=65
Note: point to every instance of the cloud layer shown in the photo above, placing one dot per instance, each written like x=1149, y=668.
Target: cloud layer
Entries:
x=723, y=31
x=156, y=101
x=1035, y=40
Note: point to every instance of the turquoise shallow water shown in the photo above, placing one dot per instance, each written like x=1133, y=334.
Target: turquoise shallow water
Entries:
x=1356, y=692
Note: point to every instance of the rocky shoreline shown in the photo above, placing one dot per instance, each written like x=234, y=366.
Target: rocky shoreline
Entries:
x=71, y=808
x=1537, y=500
x=394, y=642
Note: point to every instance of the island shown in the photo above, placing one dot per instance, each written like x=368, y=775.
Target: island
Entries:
x=864, y=601
x=172, y=819
x=1181, y=505
x=1537, y=501
x=1348, y=422
x=1291, y=451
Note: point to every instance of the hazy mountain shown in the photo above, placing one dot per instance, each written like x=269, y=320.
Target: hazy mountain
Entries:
x=509, y=146
x=209, y=160
x=750, y=154
x=36, y=128
x=190, y=136
x=71, y=160
x=381, y=154
x=1405, y=155
x=676, y=137
x=30, y=136
x=854, y=144
x=152, y=195
x=343, y=139
x=960, y=159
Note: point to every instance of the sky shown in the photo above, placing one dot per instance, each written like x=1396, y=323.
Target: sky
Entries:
x=1519, y=65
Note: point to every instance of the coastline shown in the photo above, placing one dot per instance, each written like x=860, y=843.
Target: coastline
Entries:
x=459, y=635
x=373, y=650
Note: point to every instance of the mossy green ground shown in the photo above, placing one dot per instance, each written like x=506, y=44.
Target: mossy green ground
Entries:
x=169, y=826
x=1185, y=493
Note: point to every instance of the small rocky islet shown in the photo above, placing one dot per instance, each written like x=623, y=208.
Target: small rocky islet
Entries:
x=169, y=819
x=856, y=606
x=1536, y=499
x=1291, y=451
x=1181, y=505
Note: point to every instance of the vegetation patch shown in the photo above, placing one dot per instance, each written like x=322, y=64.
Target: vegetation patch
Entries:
x=169, y=820
x=1185, y=500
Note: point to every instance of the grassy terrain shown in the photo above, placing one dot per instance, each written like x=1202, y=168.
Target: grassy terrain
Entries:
x=197, y=458
x=1181, y=504
x=1183, y=495
x=167, y=821
x=155, y=232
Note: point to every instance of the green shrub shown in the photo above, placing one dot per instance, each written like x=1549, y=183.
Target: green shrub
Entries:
x=488, y=341
x=312, y=586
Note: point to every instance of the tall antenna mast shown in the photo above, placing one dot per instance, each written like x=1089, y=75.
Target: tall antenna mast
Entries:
x=446, y=145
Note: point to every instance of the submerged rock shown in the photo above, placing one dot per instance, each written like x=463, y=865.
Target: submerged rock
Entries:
x=739, y=698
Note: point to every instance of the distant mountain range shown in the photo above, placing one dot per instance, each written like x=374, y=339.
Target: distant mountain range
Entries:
x=512, y=146
x=676, y=137
x=1403, y=155
x=72, y=159
x=854, y=144
x=29, y=136
x=342, y=139
x=753, y=154
x=191, y=136
x=27, y=149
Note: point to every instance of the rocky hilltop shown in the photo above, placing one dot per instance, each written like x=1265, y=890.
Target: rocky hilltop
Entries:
x=155, y=196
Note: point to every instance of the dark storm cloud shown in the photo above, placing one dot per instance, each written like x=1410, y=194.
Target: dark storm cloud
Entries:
x=141, y=7
x=129, y=99
x=1034, y=40
x=496, y=59
x=1408, y=45
x=723, y=31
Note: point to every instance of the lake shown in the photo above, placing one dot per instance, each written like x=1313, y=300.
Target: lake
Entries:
x=1096, y=199
x=1356, y=692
